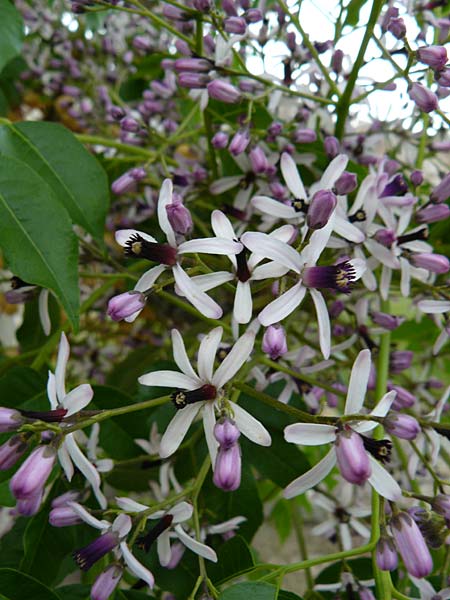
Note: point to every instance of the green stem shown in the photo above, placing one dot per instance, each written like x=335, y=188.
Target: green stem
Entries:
x=126, y=148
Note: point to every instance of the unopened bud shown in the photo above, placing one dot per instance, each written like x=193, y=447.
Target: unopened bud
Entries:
x=274, y=341
x=352, y=458
x=402, y=426
x=320, y=209
x=125, y=305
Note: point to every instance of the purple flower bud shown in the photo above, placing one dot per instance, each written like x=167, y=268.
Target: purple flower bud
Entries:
x=440, y=146
x=304, y=136
x=197, y=65
x=442, y=191
x=386, y=321
x=433, y=56
x=138, y=173
x=331, y=145
x=397, y=27
x=30, y=506
x=235, y=25
x=183, y=47
x=229, y=7
x=320, y=209
x=62, y=500
x=403, y=399
x=240, y=141
x=386, y=237
x=227, y=470
x=220, y=140
x=129, y=124
x=396, y=187
x=433, y=213
x=411, y=545
x=365, y=594
x=443, y=78
x=424, y=99
x=33, y=473
x=174, y=13
x=90, y=554
x=258, y=160
x=336, y=61
x=106, y=583
x=400, y=360
x=386, y=555
x=441, y=505
x=346, y=183
x=417, y=178
x=253, y=15
x=352, y=458
x=11, y=451
x=226, y=433
x=274, y=341
x=179, y=217
x=391, y=13
x=223, y=91
x=193, y=80
x=401, y=425
x=142, y=42
x=125, y=183
x=290, y=41
x=125, y=305
x=436, y=263
x=63, y=516
x=275, y=128
x=10, y=419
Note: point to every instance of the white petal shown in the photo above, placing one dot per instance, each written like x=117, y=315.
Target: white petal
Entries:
x=87, y=517
x=209, y=421
x=380, y=410
x=180, y=356
x=434, y=306
x=357, y=386
x=86, y=468
x=135, y=566
x=292, y=177
x=43, y=312
x=207, y=353
x=195, y=546
x=181, y=512
x=163, y=547
x=170, y=379
x=177, y=429
x=202, y=302
x=383, y=254
x=224, y=184
x=243, y=304
x=123, y=235
x=268, y=271
x=383, y=483
x=77, y=399
x=65, y=462
x=405, y=277
x=360, y=267
x=309, y=434
x=61, y=363
x=234, y=359
x=282, y=306
x=284, y=233
x=386, y=276
x=130, y=505
x=312, y=477
x=333, y=172
x=222, y=226
x=51, y=391
x=225, y=526
x=211, y=280
x=122, y=525
x=319, y=240
x=261, y=243
x=165, y=198
x=345, y=535
x=149, y=277
x=274, y=208
x=212, y=245
x=427, y=591
x=347, y=230
x=250, y=427
x=323, y=321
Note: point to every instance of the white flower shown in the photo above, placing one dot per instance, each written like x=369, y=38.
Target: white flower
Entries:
x=427, y=591
x=203, y=391
x=69, y=453
x=142, y=245
x=315, y=434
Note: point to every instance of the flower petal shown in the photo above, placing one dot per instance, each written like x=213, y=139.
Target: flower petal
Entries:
x=276, y=250
x=170, y=379
x=269, y=270
x=383, y=254
x=234, y=360
x=78, y=398
x=207, y=353
x=177, y=429
x=213, y=245
x=202, y=302
x=318, y=241
x=383, y=483
x=51, y=391
x=309, y=434
x=65, y=462
x=221, y=225
x=357, y=386
x=274, y=208
x=123, y=235
x=181, y=512
x=243, y=303
x=312, y=477
x=43, y=312
x=253, y=429
x=180, y=356
x=87, y=517
x=292, y=177
x=195, y=546
x=209, y=421
x=347, y=230
x=135, y=566
x=282, y=306
x=163, y=547
x=333, y=172
x=434, y=306
x=149, y=277
x=165, y=198
x=212, y=280
x=323, y=321
x=61, y=363
x=130, y=505
x=86, y=468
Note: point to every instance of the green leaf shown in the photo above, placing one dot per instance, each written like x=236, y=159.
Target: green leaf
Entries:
x=36, y=234
x=353, y=8
x=19, y=586
x=76, y=178
x=20, y=384
x=30, y=334
x=285, y=595
x=255, y=591
x=281, y=516
x=76, y=591
x=233, y=557
x=6, y=498
x=11, y=32
x=11, y=546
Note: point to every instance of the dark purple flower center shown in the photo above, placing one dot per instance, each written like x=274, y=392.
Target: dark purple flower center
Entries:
x=379, y=449
x=358, y=216
x=90, y=554
x=421, y=234
x=147, y=540
x=336, y=277
x=299, y=205
x=137, y=247
x=182, y=398
x=242, y=271
x=49, y=416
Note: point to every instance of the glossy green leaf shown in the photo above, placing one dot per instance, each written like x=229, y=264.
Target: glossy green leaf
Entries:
x=75, y=176
x=233, y=557
x=15, y=585
x=36, y=234
x=255, y=591
x=20, y=384
x=353, y=9
x=11, y=32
